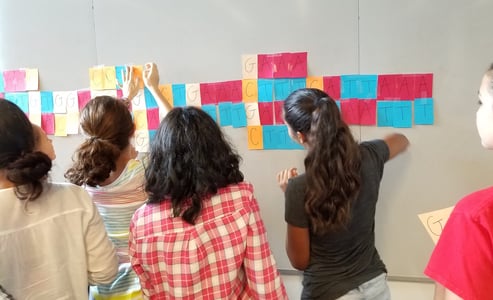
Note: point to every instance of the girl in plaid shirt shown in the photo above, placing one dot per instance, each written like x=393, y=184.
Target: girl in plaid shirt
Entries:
x=200, y=235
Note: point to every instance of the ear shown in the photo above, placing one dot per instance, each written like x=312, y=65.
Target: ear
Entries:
x=301, y=137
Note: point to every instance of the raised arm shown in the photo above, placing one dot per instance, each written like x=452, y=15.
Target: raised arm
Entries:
x=150, y=75
x=397, y=143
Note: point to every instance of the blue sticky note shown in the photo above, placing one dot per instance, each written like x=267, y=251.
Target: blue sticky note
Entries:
x=150, y=101
x=46, y=102
x=119, y=74
x=359, y=86
x=179, y=97
x=277, y=137
x=282, y=88
x=423, y=111
x=152, y=134
x=385, y=113
x=19, y=99
x=402, y=116
x=338, y=103
x=265, y=87
x=225, y=114
x=298, y=83
x=2, y=84
x=210, y=109
x=238, y=115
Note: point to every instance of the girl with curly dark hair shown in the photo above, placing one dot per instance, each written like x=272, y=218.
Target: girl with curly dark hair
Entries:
x=330, y=209
x=200, y=235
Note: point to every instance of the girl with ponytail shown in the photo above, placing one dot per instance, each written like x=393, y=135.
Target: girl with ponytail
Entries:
x=53, y=241
x=330, y=209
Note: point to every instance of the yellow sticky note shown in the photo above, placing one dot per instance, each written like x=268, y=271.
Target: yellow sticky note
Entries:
x=315, y=82
x=249, y=89
x=434, y=221
x=35, y=118
x=255, y=138
x=109, y=82
x=32, y=79
x=72, y=122
x=140, y=119
x=96, y=78
x=138, y=73
x=60, y=125
x=142, y=140
x=167, y=91
x=249, y=66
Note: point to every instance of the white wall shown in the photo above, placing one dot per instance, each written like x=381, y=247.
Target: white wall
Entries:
x=398, y=289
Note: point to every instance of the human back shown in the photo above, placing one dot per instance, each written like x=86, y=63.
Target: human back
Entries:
x=201, y=220
x=53, y=240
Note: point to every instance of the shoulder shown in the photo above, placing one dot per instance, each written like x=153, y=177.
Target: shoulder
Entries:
x=297, y=183
x=378, y=147
x=476, y=204
x=67, y=193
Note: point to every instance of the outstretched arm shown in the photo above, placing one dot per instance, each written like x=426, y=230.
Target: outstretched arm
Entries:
x=150, y=75
x=397, y=143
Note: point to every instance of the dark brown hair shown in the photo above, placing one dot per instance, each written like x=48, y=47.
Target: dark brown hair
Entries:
x=333, y=160
x=190, y=159
x=23, y=166
x=108, y=124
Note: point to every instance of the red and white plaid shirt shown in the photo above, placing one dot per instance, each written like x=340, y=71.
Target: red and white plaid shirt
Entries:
x=225, y=255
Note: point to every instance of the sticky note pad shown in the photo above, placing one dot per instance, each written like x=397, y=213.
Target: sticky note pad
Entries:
x=298, y=66
x=225, y=114
x=208, y=93
x=142, y=140
x=332, y=86
x=14, y=80
x=277, y=137
x=249, y=90
x=32, y=79
x=140, y=119
x=385, y=113
x=282, y=88
x=359, y=86
x=405, y=87
x=48, y=123
x=255, y=139
x=265, y=87
x=297, y=83
x=211, y=110
x=119, y=73
x=60, y=125
x=46, y=102
x=367, y=112
x=265, y=66
x=249, y=66
x=402, y=116
x=149, y=99
x=83, y=97
x=153, y=118
x=314, y=82
x=109, y=82
x=59, y=103
x=20, y=99
x=179, y=98
x=252, y=114
x=192, y=95
x=278, y=109
x=387, y=87
x=34, y=103
x=167, y=92
x=423, y=86
x=350, y=111
x=72, y=122
x=266, y=113
x=96, y=78
x=423, y=111
x=238, y=115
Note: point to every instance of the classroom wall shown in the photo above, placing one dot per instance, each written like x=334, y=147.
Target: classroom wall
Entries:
x=202, y=41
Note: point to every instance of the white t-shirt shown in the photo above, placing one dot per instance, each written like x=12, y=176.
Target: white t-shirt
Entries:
x=55, y=246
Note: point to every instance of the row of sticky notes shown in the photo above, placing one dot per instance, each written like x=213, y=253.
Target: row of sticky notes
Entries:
x=111, y=77
x=278, y=65
x=19, y=80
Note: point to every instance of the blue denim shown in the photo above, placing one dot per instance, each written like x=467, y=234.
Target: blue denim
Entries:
x=374, y=289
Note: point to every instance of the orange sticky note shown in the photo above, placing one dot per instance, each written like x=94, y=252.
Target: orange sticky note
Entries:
x=167, y=92
x=109, y=82
x=60, y=125
x=255, y=138
x=249, y=89
x=315, y=82
x=96, y=78
x=138, y=73
x=140, y=119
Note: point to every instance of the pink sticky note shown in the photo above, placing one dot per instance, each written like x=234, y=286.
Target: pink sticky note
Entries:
x=236, y=94
x=332, y=86
x=48, y=123
x=265, y=66
x=405, y=87
x=266, y=113
x=423, y=86
x=223, y=91
x=278, y=105
x=119, y=93
x=350, y=111
x=281, y=65
x=298, y=66
x=208, y=93
x=367, y=112
x=153, y=118
x=15, y=80
x=1, y=95
x=83, y=96
x=386, y=88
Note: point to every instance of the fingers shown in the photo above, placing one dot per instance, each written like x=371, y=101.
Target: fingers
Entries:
x=284, y=176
